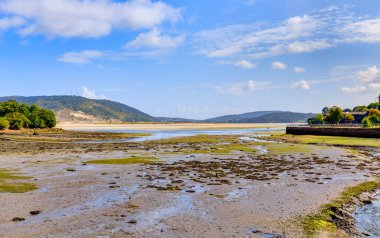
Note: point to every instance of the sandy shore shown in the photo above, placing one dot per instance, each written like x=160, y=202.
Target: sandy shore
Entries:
x=167, y=126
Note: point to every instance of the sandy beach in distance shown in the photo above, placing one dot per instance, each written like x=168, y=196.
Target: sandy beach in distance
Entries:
x=166, y=126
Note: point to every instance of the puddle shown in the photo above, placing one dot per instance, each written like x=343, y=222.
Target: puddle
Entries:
x=254, y=139
x=262, y=150
x=368, y=218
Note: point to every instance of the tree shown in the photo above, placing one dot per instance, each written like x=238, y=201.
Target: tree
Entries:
x=347, y=110
x=360, y=109
x=318, y=119
x=17, y=121
x=349, y=118
x=48, y=118
x=374, y=105
x=22, y=115
x=4, y=124
x=325, y=110
x=334, y=115
x=366, y=122
x=374, y=115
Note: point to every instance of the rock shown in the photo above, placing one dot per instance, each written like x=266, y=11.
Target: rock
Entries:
x=132, y=221
x=18, y=219
x=34, y=213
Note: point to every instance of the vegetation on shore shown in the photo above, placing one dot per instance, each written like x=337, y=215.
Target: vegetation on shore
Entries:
x=16, y=116
x=11, y=182
x=323, y=220
x=330, y=140
x=336, y=115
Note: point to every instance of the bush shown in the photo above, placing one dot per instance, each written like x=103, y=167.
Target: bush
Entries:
x=318, y=119
x=367, y=122
x=349, y=118
x=4, y=124
x=22, y=115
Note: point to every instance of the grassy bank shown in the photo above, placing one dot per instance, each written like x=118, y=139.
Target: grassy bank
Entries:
x=330, y=140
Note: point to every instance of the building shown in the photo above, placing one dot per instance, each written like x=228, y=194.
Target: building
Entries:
x=358, y=116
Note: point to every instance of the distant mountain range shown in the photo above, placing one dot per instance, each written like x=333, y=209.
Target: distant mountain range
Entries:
x=80, y=109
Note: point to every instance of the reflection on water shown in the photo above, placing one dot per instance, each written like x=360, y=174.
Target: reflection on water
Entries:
x=167, y=134
x=368, y=218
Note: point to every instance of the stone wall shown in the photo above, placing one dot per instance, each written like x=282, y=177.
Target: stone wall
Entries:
x=348, y=132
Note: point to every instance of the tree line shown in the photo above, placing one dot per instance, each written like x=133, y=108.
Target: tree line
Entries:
x=336, y=115
x=16, y=116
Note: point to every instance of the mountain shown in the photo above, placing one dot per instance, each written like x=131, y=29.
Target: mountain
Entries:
x=237, y=117
x=80, y=109
x=263, y=117
x=279, y=117
x=174, y=119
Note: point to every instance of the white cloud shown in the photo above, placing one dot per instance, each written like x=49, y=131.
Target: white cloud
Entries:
x=238, y=88
x=235, y=40
x=368, y=81
x=323, y=29
x=303, y=85
x=245, y=64
x=278, y=65
x=81, y=57
x=298, y=69
x=308, y=46
x=87, y=93
x=369, y=75
x=76, y=18
x=363, y=31
x=154, y=39
x=10, y=22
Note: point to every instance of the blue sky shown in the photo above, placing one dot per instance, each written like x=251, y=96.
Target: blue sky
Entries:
x=194, y=59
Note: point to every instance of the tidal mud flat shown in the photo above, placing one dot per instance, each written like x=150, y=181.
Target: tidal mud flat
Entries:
x=243, y=185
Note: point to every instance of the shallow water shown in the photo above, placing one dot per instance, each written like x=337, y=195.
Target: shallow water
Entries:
x=368, y=218
x=167, y=134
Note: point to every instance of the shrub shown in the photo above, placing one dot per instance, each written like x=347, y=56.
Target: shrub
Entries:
x=349, y=118
x=17, y=121
x=318, y=119
x=22, y=115
x=367, y=122
x=4, y=124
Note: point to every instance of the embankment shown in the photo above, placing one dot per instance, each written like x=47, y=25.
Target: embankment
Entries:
x=338, y=131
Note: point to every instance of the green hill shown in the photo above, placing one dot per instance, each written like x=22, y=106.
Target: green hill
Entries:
x=279, y=117
x=75, y=108
x=263, y=117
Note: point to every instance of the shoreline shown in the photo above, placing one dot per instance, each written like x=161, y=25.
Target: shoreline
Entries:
x=168, y=126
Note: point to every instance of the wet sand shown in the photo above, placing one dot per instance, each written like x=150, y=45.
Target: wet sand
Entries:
x=239, y=194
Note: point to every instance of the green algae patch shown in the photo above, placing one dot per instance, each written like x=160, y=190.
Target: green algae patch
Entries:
x=323, y=221
x=11, y=182
x=331, y=140
x=125, y=161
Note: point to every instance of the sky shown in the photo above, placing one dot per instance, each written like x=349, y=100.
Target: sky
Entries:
x=194, y=59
